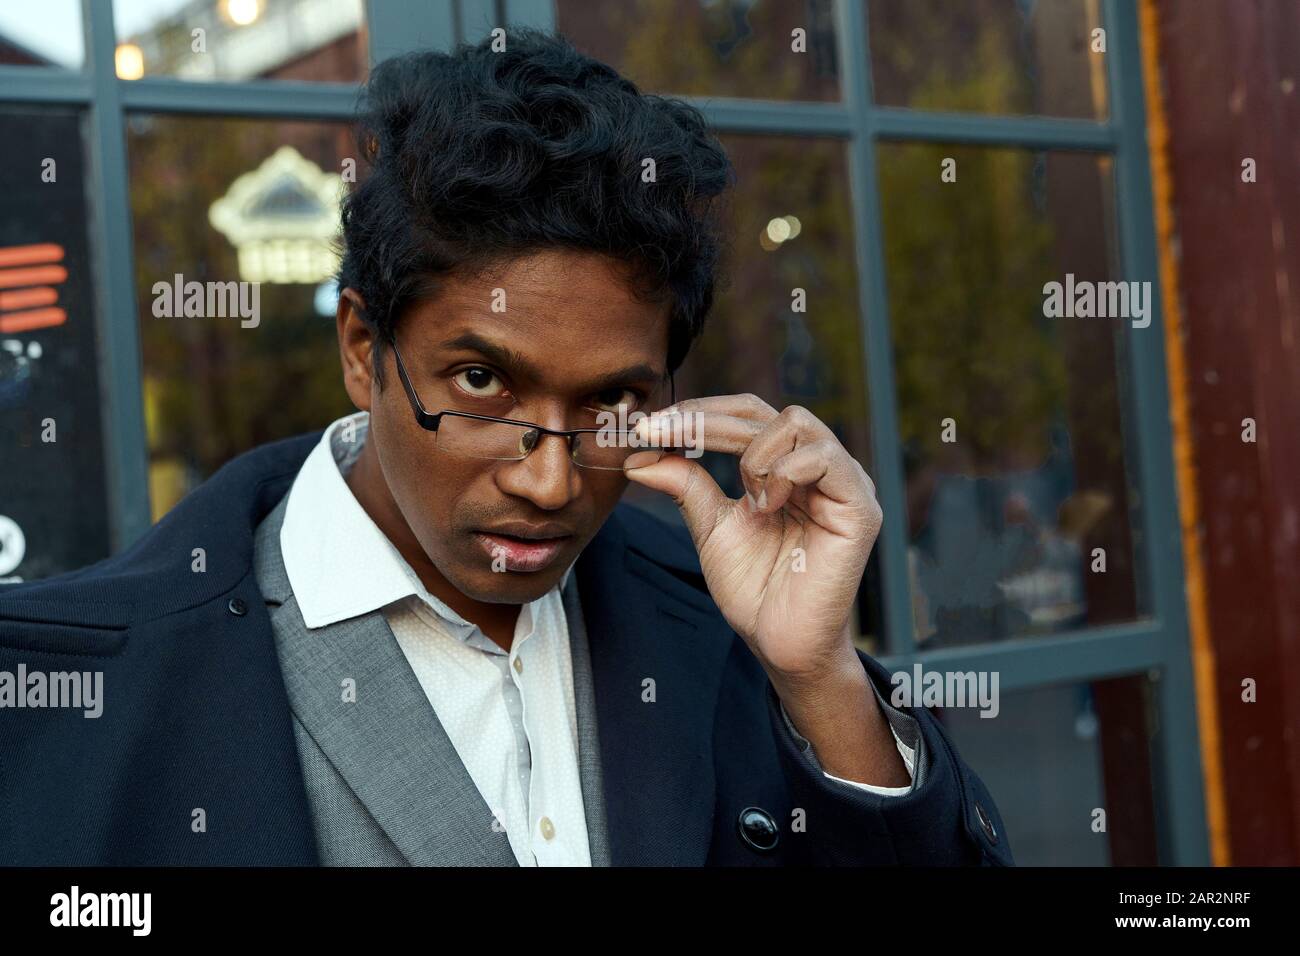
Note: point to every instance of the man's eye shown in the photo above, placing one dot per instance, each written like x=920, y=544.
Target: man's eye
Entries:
x=478, y=381
x=616, y=397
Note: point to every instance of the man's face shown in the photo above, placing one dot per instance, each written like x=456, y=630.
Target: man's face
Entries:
x=551, y=338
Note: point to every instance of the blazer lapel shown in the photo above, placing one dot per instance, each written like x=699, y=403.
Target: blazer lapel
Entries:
x=656, y=739
x=589, y=769
x=389, y=744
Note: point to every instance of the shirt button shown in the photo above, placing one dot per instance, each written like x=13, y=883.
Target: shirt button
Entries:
x=519, y=665
x=548, y=828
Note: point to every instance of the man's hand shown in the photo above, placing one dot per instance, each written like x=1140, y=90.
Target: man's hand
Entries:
x=784, y=563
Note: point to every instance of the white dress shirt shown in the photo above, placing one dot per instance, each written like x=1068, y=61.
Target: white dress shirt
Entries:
x=510, y=715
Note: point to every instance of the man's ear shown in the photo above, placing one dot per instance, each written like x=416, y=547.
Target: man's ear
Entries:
x=356, y=341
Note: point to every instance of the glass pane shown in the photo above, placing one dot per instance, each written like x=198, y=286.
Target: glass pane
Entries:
x=785, y=323
x=1019, y=501
x=1079, y=749
x=711, y=47
x=44, y=34
x=313, y=40
x=989, y=56
x=53, y=502
x=254, y=204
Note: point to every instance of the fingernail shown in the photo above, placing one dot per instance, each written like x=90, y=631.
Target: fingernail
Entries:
x=640, y=459
x=749, y=501
x=762, y=498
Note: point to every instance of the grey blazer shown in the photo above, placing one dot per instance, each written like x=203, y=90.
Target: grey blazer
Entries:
x=376, y=772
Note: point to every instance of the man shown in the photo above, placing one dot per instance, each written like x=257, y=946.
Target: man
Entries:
x=431, y=634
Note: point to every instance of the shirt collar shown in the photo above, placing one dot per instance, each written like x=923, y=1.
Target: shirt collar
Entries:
x=327, y=536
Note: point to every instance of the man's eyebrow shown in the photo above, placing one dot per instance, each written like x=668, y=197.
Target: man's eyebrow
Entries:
x=506, y=357
x=512, y=361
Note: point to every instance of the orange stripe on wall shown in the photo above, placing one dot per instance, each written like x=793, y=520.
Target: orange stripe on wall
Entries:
x=26, y=298
x=30, y=255
x=38, y=275
x=1203, y=666
x=35, y=319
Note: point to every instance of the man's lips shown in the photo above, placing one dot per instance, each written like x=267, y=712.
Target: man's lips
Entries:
x=518, y=554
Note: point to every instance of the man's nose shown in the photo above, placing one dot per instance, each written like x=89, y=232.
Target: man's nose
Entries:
x=547, y=476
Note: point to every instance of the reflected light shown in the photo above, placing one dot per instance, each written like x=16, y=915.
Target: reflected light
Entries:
x=778, y=230
x=243, y=12
x=326, y=299
x=282, y=218
x=128, y=60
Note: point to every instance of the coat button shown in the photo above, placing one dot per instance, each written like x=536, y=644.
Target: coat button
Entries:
x=237, y=606
x=987, y=823
x=758, y=829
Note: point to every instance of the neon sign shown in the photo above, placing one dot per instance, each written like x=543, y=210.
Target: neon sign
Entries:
x=28, y=297
x=282, y=218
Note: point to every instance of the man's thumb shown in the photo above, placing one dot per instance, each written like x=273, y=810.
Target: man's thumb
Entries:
x=686, y=481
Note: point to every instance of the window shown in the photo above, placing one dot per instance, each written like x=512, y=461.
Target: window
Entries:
x=50, y=37
x=989, y=56
x=712, y=47
x=53, y=500
x=1020, y=509
x=1078, y=781
x=311, y=40
x=256, y=201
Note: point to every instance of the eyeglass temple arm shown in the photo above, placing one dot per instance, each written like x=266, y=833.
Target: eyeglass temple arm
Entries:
x=426, y=418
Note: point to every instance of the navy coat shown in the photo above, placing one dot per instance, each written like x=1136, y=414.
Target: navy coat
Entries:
x=196, y=713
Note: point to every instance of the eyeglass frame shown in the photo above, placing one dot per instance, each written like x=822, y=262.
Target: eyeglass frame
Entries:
x=429, y=420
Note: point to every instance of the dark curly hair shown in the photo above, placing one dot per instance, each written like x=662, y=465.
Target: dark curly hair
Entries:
x=479, y=156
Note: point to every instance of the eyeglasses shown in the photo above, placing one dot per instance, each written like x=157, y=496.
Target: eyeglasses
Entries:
x=468, y=435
